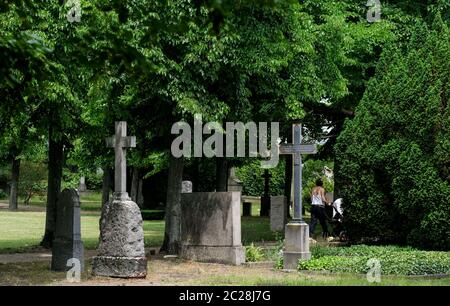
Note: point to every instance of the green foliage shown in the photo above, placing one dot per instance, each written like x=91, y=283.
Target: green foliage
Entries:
x=33, y=179
x=251, y=175
x=253, y=253
x=393, y=260
x=393, y=156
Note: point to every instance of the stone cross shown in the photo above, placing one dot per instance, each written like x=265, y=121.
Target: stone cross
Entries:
x=120, y=141
x=297, y=149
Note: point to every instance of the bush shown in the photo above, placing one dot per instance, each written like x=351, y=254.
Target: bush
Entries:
x=253, y=253
x=393, y=158
x=32, y=180
x=393, y=260
x=253, y=183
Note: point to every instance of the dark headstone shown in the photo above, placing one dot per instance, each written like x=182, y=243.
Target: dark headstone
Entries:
x=67, y=243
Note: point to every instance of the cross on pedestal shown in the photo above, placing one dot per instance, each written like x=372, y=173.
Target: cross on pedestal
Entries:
x=296, y=149
x=120, y=141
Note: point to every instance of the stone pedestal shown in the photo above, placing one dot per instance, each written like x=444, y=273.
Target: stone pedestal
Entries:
x=296, y=245
x=211, y=227
x=121, y=250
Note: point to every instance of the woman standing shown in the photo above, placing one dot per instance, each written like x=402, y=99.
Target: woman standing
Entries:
x=318, y=202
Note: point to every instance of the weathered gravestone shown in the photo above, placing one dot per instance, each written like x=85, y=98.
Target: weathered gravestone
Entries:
x=296, y=239
x=278, y=213
x=121, y=250
x=82, y=184
x=67, y=243
x=186, y=187
x=211, y=227
x=234, y=184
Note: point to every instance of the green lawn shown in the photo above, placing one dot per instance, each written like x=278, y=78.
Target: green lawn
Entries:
x=22, y=230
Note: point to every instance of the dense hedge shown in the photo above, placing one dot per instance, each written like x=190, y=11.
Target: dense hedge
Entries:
x=393, y=260
x=251, y=175
x=394, y=155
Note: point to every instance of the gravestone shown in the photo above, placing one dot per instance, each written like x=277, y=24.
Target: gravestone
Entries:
x=121, y=249
x=296, y=245
x=211, y=227
x=82, y=184
x=278, y=213
x=67, y=243
x=234, y=184
x=247, y=209
x=186, y=187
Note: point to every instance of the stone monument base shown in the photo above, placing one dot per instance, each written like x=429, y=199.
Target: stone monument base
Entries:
x=296, y=244
x=218, y=254
x=121, y=250
x=122, y=267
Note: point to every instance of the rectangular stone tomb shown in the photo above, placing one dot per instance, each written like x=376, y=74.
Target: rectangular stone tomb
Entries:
x=278, y=213
x=211, y=227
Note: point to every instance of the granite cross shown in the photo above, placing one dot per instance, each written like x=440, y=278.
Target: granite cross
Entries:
x=297, y=149
x=120, y=141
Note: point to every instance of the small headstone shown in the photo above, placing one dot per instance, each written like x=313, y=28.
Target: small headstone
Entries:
x=82, y=185
x=186, y=187
x=247, y=209
x=67, y=243
x=211, y=227
x=278, y=213
x=234, y=184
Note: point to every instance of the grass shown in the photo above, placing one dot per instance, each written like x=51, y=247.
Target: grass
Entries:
x=23, y=230
x=39, y=273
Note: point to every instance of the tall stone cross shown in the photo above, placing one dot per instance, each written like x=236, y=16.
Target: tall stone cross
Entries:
x=120, y=141
x=296, y=149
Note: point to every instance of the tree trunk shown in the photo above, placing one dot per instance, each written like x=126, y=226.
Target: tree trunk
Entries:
x=172, y=235
x=288, y=181
x=221, y=174
x=134, y=185
x=140, y=196
x=106, y=185
x=55, y=162
x=14, y=190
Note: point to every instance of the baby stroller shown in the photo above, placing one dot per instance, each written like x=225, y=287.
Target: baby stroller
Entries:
x=337, y=219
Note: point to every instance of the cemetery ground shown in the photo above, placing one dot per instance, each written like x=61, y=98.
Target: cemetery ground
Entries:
x=23, y=263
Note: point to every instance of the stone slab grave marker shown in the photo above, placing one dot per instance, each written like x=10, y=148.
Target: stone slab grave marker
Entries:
x=211, y=227
x=121, y=250
x=278, y=213
x=67, y=243
x=233, y=184
x=265, y=199
x=297, y=231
